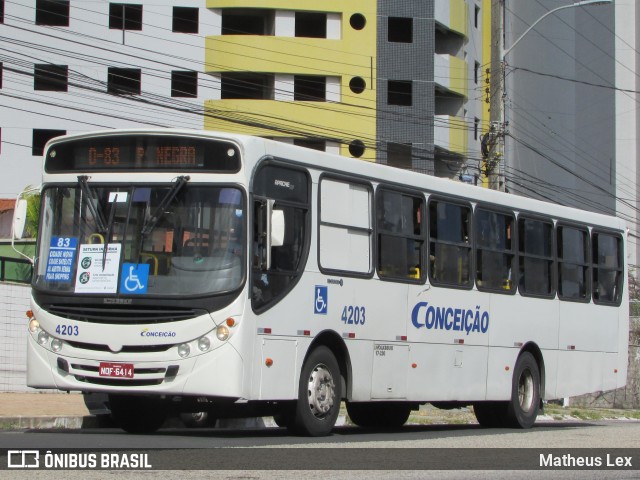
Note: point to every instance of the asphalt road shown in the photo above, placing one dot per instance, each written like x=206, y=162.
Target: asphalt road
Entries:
x=349, y=453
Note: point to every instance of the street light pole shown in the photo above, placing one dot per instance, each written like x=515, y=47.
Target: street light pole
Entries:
x=495, y=162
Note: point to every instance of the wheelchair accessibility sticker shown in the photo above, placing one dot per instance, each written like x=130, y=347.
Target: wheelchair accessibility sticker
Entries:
x=321, y=300
x=134, y=278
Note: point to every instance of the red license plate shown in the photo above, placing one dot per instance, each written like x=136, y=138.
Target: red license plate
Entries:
x=118, y=370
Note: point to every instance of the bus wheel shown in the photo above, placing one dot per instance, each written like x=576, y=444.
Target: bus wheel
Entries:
x=137, y=414
x=378, y=414
x=523, y=408
x=319, y=394
x=362, y=414
x=393, y=415
x=198, y=420
x=491, y=414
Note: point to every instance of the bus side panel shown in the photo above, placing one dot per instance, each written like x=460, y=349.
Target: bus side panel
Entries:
x=499, y=372
x=278, y=369
x=580, y=372
x=588, y=327
x=447, y=372
x=518, y=320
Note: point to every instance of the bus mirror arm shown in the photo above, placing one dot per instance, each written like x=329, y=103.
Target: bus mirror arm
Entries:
x=20, y=220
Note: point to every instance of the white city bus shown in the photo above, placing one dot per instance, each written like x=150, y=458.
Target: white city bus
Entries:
x=183, y=271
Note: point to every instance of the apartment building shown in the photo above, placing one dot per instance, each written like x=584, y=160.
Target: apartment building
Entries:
x=69, y=66
x=393, y=82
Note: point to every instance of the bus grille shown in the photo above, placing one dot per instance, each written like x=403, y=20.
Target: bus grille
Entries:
x=125, y=349
x=113, y=314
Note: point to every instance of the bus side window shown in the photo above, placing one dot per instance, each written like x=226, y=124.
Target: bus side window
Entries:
x=607, y=269
x=535, y=238
x=450, y=243
x=400, y=238
x=495, y=256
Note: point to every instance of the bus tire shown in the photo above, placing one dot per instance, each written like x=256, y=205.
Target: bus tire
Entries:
x=378, y=414
x=362, y=414
x=319, y=395
x=491, y=414
x=198, y=420
x=393, y=415
x=523, y=407
x=138, y=414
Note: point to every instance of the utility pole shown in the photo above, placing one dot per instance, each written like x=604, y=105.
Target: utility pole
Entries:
x=496, y=92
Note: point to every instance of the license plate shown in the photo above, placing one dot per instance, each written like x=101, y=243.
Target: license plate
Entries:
x=118, y=370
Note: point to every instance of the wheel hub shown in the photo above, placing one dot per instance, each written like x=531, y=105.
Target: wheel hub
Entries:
x=321, y=391
x=526, y=391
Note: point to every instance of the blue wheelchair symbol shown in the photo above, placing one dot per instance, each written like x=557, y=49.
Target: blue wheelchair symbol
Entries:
x=321, y=300
x=134, y=278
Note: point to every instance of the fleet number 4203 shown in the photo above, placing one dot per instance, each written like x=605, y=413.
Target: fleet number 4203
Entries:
x=353, y=315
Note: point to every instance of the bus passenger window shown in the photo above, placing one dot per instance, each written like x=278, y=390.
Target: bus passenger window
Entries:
x=400, y=239
x=535, y=238
x=573, y=263
x=607, y=269
x=495, y=256
x=449, y=243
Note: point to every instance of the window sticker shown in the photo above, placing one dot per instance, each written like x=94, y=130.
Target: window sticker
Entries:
x=92, y=276
x=62, y=252
x=134, y=279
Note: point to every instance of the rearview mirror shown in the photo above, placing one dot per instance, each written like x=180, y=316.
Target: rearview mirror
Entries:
x=19, y=219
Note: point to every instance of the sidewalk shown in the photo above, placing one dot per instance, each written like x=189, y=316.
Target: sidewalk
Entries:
x=44, y=410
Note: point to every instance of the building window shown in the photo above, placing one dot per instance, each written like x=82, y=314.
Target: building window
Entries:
x=400, y=92
x=450, y=244
x=184, y=84
x=53, y=13
x=399, y=155
x=400, y=29
x=185, y=20
x=309, y=88
x=1, y=11
x=251, y=86
x=251, y=21
x=495, y=251
x=52, y=78
x=124, y=81
x=476, y=128
x=476, y=72
x=476, y=17
x=310, y=24
x=125, y=16
x=400, y=236
x=535, y=239
x=0, y=74
x=41, y=137
x=312, y=143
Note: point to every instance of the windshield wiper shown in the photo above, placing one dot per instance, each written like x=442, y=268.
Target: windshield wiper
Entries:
x=150, y=224
x=95, y=210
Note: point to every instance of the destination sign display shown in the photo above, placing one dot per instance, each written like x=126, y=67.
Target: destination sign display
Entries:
x=143, y=152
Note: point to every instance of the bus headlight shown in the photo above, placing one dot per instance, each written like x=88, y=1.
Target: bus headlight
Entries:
x=204, y=344
x=222, y=332
x=34, y=325
x=56, y=345
x=43, y=337
x=184, y=350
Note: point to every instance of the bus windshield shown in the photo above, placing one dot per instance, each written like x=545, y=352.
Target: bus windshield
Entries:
x=169, y=240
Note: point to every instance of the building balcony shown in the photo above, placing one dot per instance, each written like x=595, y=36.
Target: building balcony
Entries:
x=450, y=73
x=451, y=134
x=271, y=118
x=327, y=5
x=452, y=15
